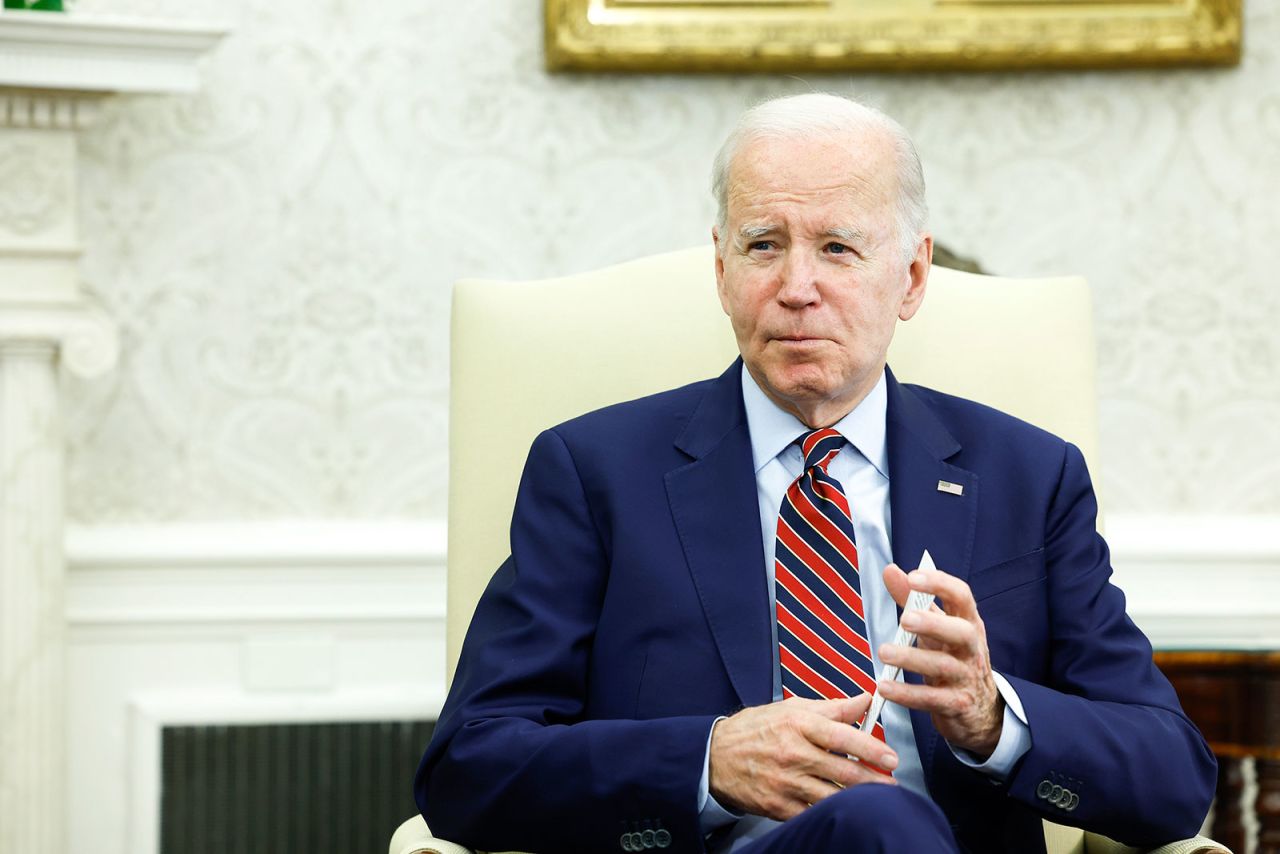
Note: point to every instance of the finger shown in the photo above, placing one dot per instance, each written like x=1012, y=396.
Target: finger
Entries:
x=846, y=772
x=847, y=710
x=806, y=792
x=938, y=700
x=937, y=666
x=847, y=741
x=955, y=595
x=895, y=581
x=945, y=629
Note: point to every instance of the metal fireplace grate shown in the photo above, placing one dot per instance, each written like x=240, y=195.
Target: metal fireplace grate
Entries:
x=328, y=788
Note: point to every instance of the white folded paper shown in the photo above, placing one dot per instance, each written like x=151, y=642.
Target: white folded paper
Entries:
x=916, y=601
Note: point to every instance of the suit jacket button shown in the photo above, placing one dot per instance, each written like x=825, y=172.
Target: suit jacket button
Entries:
x=1072, y=803
x=646, y=839
x=1044, y=789
x=662, y=838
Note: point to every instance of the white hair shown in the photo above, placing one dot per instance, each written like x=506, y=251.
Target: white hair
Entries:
x=832, y=116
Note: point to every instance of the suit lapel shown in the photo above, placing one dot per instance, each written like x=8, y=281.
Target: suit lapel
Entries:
x=713, y=503
x=923, y=516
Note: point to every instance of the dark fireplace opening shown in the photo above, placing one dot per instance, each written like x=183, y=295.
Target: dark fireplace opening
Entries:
x=320, y=788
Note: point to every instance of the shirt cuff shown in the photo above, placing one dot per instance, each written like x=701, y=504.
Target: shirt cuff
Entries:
x=711, y=816
x=1015, y=737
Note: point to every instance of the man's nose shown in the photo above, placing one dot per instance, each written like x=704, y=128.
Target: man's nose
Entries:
x=798, y=286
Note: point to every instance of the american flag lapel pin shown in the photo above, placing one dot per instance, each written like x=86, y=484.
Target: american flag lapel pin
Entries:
x=950, y=488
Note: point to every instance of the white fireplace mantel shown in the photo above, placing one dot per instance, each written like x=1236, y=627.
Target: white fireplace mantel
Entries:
x=99, y=54
x=55, y=68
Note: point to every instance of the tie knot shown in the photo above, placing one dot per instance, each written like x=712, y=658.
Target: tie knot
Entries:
x=820, y=446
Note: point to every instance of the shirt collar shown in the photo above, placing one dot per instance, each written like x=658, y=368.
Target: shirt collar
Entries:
x=773, y=430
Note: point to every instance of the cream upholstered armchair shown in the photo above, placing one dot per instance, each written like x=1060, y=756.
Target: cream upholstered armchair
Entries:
x=528, y=355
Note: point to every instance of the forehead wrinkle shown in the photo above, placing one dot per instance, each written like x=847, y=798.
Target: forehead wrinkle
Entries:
x=763, y=195
x=764, y=204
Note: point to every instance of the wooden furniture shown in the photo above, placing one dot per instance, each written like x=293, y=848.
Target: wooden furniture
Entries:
x=1234, y=697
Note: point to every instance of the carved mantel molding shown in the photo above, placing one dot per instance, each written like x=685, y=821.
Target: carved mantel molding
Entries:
x=82, y=334
x=54, y=71
x=47, y=110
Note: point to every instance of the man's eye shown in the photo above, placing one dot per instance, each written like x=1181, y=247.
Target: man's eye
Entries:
x=839, y=249
x=760, y=245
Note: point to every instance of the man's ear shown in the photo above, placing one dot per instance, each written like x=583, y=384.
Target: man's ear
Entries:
x=715, y=241
x=918, y=278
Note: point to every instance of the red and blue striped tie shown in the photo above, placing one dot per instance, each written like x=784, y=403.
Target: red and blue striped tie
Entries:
x=822, y=631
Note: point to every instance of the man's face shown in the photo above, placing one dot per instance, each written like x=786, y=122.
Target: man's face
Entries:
x=811, y=272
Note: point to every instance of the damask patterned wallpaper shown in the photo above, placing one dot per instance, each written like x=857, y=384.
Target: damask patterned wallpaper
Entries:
x=278, y=250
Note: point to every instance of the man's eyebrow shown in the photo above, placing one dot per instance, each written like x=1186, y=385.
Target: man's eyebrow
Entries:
x=752, y=232
x=848, y=235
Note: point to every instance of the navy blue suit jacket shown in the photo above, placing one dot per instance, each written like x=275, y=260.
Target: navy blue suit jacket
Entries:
x=634, y=610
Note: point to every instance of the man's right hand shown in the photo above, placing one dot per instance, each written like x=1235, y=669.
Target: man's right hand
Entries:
x=778, y=759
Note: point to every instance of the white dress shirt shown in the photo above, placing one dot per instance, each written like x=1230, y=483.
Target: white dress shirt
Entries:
x=862, y=468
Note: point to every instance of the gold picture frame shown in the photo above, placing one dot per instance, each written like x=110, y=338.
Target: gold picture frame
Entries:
x=887, y=35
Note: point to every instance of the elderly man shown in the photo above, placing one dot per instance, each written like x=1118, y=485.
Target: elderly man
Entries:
x=703, y=583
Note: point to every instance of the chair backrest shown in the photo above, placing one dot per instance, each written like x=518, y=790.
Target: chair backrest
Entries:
x=528, y=355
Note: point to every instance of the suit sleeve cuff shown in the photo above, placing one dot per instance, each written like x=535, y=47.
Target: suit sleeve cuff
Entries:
x=1015, y=737
x=711, y=815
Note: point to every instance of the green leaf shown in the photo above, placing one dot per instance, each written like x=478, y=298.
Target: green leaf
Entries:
x=35, y=5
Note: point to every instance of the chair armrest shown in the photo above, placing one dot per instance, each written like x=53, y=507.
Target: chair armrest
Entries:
x=1095, y=844
x=1195, y=845
x=413, y=837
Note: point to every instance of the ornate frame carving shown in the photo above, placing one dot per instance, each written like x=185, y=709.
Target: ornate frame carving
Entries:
x=844, y=35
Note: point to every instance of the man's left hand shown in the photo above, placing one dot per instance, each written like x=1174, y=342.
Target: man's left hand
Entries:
x=951, y=654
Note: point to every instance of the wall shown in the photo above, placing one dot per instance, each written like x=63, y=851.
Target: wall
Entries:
x=279, y=249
